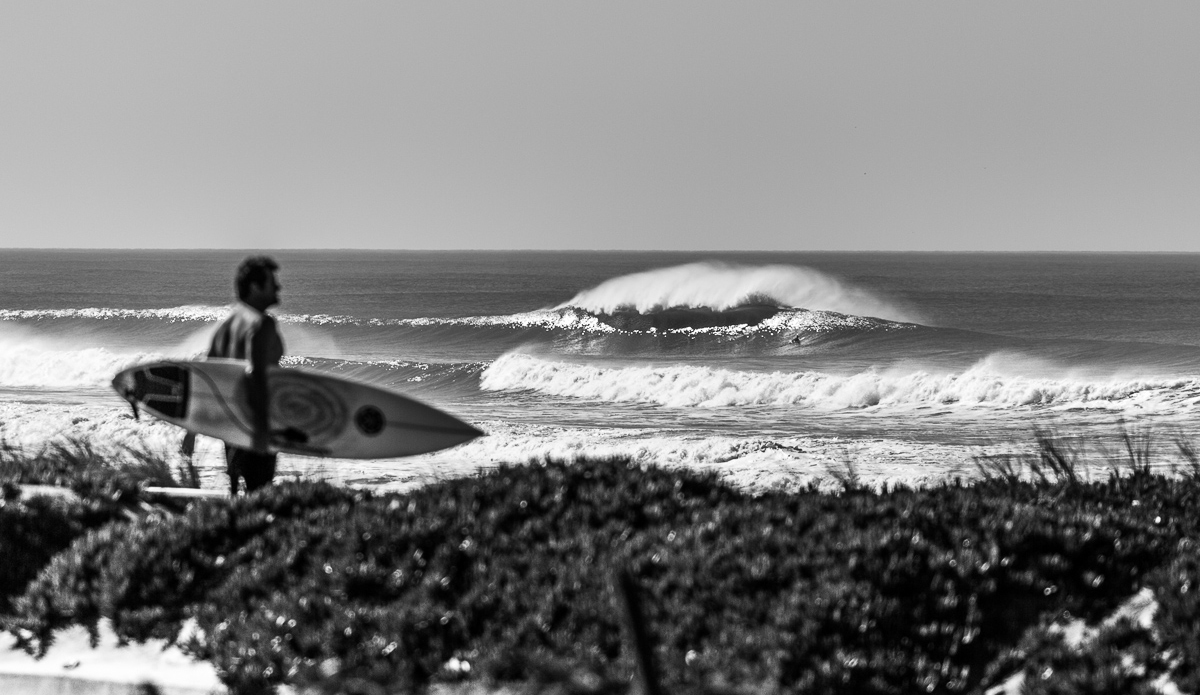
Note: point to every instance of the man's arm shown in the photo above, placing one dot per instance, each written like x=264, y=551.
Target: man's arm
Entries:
x=260, y=360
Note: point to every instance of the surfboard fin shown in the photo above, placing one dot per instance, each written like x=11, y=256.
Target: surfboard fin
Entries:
x=136, y=415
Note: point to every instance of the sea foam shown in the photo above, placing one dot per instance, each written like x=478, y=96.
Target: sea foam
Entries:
x=683, y=386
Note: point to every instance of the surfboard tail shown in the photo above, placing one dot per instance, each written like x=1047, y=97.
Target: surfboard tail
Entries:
x=161, y=388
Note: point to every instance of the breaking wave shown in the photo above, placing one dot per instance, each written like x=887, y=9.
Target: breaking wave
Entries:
x=708, y=387
x=723, y=286
x=33, y=366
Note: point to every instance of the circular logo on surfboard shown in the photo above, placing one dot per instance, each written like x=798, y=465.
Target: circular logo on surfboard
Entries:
x=369, y=420
x=307, y=406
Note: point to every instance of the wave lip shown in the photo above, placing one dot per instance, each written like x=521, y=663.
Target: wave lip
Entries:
x=708, y=387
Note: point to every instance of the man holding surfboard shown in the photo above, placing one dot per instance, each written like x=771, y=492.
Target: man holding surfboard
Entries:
x=250, y=333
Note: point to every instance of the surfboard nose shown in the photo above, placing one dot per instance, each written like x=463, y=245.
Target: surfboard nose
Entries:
x=441, y=432
x=464, y=432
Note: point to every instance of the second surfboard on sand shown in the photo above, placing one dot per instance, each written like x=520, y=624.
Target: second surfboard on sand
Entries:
x=310, y=413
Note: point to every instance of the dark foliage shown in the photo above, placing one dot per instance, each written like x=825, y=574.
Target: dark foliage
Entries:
x=1177, y=588
x=1120, y=660
x=30, y=534
x=34, y=531
x=905, y=591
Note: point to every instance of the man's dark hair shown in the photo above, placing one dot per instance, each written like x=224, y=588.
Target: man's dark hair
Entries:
x=253, y=271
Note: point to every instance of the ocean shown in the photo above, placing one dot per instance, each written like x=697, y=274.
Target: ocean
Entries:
x=773, y=370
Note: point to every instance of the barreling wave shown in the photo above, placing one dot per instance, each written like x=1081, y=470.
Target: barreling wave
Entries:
x=707, y=387
x=722, y=287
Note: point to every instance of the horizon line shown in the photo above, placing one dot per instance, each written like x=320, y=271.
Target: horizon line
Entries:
x=254, y=249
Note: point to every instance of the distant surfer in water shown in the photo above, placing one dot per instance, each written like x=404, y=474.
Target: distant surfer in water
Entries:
x=250, y=333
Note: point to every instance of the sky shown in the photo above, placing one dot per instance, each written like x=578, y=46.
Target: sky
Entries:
x=697, y=125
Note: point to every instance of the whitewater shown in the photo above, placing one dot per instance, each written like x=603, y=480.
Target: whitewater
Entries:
x=772, y=370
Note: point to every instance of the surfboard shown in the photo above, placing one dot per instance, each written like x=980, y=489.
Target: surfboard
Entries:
x=310, y=413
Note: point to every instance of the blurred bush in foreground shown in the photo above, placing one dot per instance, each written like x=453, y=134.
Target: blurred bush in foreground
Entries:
x=496, y=577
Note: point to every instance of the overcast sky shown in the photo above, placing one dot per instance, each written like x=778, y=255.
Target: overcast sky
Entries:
x=601, y=125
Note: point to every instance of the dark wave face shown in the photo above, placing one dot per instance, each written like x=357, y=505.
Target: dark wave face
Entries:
x=681, y=318
x=445, y=379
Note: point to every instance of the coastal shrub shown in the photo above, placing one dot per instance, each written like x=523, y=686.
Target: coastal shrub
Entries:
x=1177, y=620
x=144, y=574
x=30, y=535
x=106, y=491
x=1121, y=659
x=1122, y=656
x=33, y=531
x=861, y=592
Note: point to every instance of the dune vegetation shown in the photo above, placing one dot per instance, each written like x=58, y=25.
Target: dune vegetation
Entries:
x=589, y=576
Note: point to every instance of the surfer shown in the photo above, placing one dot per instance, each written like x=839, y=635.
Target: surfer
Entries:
x=250, y=333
